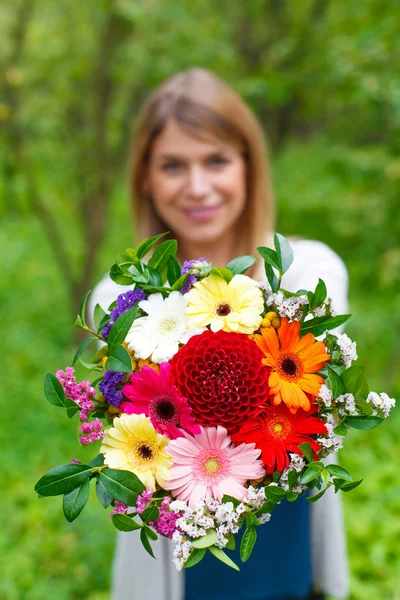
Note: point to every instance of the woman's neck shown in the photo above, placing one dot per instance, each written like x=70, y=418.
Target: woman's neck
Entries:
x=219, y=253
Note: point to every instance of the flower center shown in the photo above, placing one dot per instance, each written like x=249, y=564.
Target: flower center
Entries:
x=162, y=409
x=165, y=409
x=145, y=452
x=289, y=366
x=279, y=428
x=223, y=309
x=211, y=466
x=168, y=326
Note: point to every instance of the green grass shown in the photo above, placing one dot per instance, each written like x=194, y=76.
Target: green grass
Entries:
x=45, y=556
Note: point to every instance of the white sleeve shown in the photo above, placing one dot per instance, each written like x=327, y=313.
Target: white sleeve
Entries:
x=313, y=260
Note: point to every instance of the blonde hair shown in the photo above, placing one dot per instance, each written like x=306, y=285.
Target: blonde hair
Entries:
x=206, y=107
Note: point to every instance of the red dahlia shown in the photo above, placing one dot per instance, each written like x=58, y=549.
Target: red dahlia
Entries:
x=222, y=377
x=276, y=432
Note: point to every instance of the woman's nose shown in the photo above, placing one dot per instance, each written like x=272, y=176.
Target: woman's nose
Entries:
x=198, y=184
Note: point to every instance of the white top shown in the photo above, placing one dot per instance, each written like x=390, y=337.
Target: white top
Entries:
x=137, y=576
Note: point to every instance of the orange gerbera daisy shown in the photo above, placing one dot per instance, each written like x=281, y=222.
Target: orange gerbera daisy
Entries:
x=294, y=362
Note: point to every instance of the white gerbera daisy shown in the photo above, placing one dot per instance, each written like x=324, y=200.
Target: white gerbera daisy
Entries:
x=159, y=334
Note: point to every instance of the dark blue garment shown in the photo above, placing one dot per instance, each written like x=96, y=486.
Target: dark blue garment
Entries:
x=279, y=568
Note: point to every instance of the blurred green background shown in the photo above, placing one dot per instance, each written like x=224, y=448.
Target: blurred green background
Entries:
x=323, y=79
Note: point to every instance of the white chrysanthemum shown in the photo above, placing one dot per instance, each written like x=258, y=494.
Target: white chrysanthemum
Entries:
x=159, y=334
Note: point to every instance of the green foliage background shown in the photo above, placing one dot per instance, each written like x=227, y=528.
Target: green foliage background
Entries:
x=322, y=77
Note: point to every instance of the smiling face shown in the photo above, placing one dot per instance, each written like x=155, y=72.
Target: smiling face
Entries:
x=198, y=187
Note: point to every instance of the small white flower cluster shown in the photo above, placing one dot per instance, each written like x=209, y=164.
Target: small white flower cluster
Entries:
x=348, y=349
x=325, y=396
x=181, y=551
x=192, y=521
x=287, y=307
x=332, y=442
x=227, y=519
x=348, y=405
x=297, y=463
x=255, y=496
x=324, y=309
x=381, y=403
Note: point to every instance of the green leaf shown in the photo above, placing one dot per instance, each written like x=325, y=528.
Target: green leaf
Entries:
x=247, y=544
x=267, y=507
x=72, y=407
x=119, y=360
x=120, y=328
x=173, y=270
x=335, y=382
x=155, y=277
x=271, y=277
x=145, y=541
x=122, y=485
x=124, y=261
x=75, y=500
x=104, y=497
x=62, y=479
x=318, y=325
x=355, y=382
x=239, y=265
x=293, y=477
x=364, y=423
x=82, y=347
x=274, y=493
x=220, y=554
x=98, y=316
x=307, y=451
x=251, y=519
x=316, y=497
x=231, y=545
x=325, y=476
x=207, y=540
x=97, y=461
x=125, y=523
x=222, y=272
x=117, y=275
x=310, y=473
x=291, y=496
x=347, y=487
x=132, y=254
x=162, y=254
x=338, y=471
x=270, y=257
x=150, y=513
x=147, y=245
x=284, y=252
x=319, y=295
x=139, y=276
x=100, y=354
x=340, y=429
x=82, y=308
x=180, y=283
x=150, y=533
x=78, y=322
x=195, y=557
x=53, y=390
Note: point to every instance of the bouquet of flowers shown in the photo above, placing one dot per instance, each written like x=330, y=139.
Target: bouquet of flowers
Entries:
x=217, y=397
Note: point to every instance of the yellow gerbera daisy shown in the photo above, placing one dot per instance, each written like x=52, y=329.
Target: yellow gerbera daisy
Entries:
x=132, y=444
x=234, y=306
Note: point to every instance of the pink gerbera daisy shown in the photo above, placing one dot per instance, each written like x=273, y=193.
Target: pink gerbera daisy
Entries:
x=154, y=395
x=210, y=465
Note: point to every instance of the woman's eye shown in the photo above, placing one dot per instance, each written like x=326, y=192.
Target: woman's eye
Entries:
x=217, y=161
x=172, y=166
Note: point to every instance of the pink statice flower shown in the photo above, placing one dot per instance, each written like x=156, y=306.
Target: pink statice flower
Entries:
x=154, y=395
x=143, y=500
x=166, y=522
x=210, y=465
x=82, y=393
x=119, y=509
x=95, y=432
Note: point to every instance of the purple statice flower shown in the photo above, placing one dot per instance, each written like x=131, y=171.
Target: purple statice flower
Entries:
x=111, y=387
x=119, y=508
x=125, y=301
x=195, y=268
x=166, y=522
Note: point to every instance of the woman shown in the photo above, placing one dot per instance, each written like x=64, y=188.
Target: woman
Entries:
x=200, y=170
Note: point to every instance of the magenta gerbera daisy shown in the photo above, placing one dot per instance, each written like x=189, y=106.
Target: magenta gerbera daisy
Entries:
x=154, y=395
x=210, y=465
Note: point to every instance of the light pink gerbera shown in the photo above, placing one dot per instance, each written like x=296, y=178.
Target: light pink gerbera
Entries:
x=210, y=465
x=154, y=395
